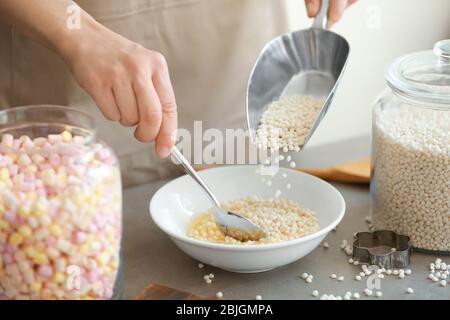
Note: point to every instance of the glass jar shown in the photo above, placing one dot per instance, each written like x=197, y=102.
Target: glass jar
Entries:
x=60, y=206
x=410, y=186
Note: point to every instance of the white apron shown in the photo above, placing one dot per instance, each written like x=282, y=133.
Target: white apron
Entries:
x=210, y=46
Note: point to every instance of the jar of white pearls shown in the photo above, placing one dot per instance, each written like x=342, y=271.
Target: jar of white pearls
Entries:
x=410, y=185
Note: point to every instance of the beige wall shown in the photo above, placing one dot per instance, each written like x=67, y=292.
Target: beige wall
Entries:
x=378, y=31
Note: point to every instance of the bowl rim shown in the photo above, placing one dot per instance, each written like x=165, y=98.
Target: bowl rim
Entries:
x=248, y=247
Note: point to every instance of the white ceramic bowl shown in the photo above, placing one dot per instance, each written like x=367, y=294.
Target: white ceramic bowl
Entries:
x=173, y=206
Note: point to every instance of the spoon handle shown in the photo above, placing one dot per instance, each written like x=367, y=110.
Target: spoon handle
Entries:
x=320, y=21
x=189, y=170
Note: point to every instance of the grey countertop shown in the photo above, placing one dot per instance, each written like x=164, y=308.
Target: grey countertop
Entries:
x=149, y=256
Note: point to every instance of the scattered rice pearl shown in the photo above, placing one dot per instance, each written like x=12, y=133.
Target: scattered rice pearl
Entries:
x=258, y=297
x=304, y=275
x=333, y=276
x=410, y=290
x=379, y=294
x=356, y=295
x=288, y=186
x=326, y=245
x=315, y=293
x=443, y=283
x=358, y=278
x=200, y=265
x=208, y=281
x=341, y=278
x=219, y=295
x=292, y=164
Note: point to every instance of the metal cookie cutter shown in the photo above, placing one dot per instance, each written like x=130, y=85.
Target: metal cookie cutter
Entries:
x=383, y=248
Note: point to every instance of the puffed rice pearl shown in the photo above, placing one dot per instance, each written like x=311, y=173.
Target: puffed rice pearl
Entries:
x=356, y=262
x=379, y=294
x=281, y=219
x=333, y=276
x=401, y=275
x=304, y=275
x=368, y=292
x=287, y=121
x=211, y=275
x=412, y=157
x=258, y=297
x=308, y=280
x=389, y=272
x=341, y=278
x=381, y=276
x=351, y=260
x=409, y=290
x=443, y=283
x=219, y=295
x=208, y=281
x=315, y=293
x=395, y=272
x=408, y=272
x=356, y=295
x=358, y=278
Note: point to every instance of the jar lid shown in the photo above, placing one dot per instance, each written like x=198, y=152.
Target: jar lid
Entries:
x=423, y=75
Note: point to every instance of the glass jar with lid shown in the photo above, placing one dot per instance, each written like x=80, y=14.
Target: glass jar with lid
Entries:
x=410, y=186
x=60, y=206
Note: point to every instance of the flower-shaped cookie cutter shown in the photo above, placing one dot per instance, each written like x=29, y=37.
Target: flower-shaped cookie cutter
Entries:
x=383, y=248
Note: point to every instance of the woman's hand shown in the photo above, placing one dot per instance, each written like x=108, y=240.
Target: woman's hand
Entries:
x=128, y=82
x=335, y=9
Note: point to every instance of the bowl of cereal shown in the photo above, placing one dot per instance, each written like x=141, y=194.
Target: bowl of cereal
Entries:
x=297, y=211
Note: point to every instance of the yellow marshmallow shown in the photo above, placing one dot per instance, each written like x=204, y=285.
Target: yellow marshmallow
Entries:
x=24, y=212
x=58, y=277
x=40, y=258
x=4, y=174
x=15, y=239
x=36, y=286
x=55, y=230
x=25, y=231
x=66, y=136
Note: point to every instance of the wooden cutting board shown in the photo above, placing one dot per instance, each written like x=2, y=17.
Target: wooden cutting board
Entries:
x=159, y=292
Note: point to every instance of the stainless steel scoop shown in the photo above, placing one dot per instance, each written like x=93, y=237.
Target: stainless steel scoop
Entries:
x=304, y=62
x=230, y=223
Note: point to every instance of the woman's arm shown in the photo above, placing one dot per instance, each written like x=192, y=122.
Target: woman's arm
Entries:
x=128, y=82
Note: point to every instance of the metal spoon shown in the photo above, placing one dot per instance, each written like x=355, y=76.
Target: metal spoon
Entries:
x=231, y=224
x=304, y=62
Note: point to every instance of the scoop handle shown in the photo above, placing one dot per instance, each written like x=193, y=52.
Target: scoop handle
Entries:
x=320, y=21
